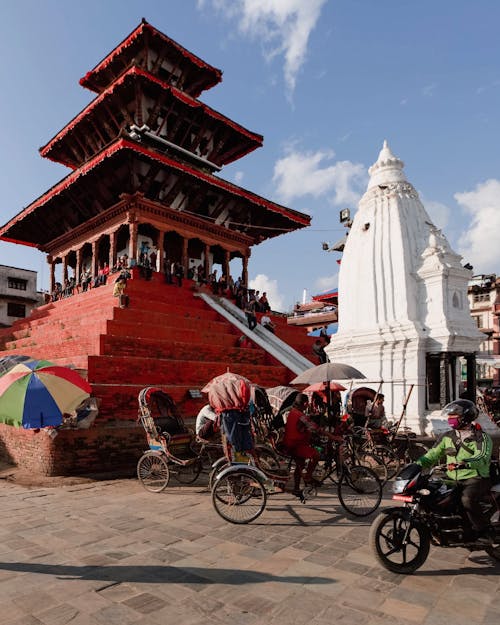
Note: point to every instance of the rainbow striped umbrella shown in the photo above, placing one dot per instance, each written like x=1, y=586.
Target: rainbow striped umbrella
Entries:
x=37, y=393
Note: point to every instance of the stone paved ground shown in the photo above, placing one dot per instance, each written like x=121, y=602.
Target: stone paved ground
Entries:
x=110, y=553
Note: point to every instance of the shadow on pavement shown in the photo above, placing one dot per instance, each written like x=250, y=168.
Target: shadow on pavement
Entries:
x=490, y=568
x=159, y=574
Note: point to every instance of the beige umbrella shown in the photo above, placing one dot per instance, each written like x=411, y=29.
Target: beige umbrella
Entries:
x=326, y=372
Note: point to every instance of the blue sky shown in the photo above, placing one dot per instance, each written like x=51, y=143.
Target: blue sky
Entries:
x=325, y=82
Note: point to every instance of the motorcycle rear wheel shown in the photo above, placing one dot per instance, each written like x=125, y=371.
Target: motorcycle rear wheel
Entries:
x=387, y=533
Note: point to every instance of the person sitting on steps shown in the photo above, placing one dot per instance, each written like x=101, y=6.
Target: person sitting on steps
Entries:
x=119, y=292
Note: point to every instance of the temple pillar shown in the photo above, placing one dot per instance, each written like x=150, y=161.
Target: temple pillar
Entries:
x=244, y=272
x=470, y=359
x=206, y=263
x=444, y=379
x=78, y=268
x=184, y=259
x=94, y=267
x=133, y=229
x=64, y=269
x=52, y=278
x=161, y=254
x=225, y=268
x=112, y=249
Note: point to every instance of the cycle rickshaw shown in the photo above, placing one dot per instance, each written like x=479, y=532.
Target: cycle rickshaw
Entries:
x=172, y=446
x=240, y=489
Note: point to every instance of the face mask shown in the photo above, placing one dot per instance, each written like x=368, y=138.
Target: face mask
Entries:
x=454, y=422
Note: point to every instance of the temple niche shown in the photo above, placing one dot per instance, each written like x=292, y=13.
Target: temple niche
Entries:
x=404, y=317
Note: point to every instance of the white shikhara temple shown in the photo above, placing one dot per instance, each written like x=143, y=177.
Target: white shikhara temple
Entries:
x=404, y=316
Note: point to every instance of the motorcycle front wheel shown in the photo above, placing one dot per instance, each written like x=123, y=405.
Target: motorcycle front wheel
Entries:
x=399, y=544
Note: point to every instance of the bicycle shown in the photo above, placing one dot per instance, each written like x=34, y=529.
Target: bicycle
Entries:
x=369, y=441
x=240, y=491
x=407, y=448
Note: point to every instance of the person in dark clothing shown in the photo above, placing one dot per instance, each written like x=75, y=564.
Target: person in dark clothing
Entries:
x=179, y=273
x=319, y=351
x=250, y=313
x=323, y=335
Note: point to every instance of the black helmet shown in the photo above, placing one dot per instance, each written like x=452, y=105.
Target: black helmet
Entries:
x=464, y=409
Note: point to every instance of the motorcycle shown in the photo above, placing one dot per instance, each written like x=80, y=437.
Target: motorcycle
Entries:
x=432, y=514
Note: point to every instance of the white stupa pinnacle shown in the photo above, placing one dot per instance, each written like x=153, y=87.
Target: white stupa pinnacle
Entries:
x=388, y=168
x=402, y=291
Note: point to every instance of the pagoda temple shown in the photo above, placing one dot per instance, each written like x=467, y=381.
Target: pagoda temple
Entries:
x=144, y=157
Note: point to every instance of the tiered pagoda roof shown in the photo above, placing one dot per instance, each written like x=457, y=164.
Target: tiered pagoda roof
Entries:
x=147, y=135
x=174, y=116
x=148, y=48
x=128, y=167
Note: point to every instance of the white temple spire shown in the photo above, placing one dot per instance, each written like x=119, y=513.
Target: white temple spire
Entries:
x=387, y=169
x=403, y=311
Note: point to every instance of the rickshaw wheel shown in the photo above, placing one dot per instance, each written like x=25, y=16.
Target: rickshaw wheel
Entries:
x=239, y=497
x=153, y=471
x=188, y=473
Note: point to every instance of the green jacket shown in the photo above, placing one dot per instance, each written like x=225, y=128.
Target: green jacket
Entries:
x=475, y=451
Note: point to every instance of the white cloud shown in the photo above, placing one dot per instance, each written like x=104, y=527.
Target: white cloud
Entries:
x=327, y=283
x=479, y=245
x=283, y=26
x=428, y=90
x=438, y=212
x=301, y=173
x=238, y=177
x=265, y=284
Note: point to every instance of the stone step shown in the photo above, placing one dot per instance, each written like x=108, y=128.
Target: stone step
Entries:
x=107, y=369
x=157, y=348
x=194, y=334
x=186, y=320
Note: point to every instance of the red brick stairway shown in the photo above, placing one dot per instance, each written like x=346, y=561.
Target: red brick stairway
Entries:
x=167, y=337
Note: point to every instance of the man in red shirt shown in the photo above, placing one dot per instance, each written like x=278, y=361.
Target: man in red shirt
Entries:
x=297, y=441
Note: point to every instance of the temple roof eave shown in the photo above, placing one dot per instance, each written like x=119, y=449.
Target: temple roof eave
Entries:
x=255, y=139
x=13, y=229
x=90, y=80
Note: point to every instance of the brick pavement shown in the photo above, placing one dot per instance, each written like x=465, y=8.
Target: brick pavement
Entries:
x=106, y=553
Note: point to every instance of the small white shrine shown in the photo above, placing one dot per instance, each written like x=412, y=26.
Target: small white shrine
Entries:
x=404, y=316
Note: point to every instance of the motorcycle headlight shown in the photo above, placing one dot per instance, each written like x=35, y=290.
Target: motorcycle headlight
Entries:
x=399, y=485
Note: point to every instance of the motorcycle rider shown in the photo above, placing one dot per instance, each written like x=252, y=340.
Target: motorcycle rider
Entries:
x=468, y=450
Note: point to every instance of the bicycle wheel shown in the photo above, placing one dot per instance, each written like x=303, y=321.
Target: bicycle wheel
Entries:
x=415, y=451
x=239, y=497
x=373, y=462
x=359, y=491
x=389, y=457
x=267, y=458
x=187, y=473
x=326, y=470
x=153, y=471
